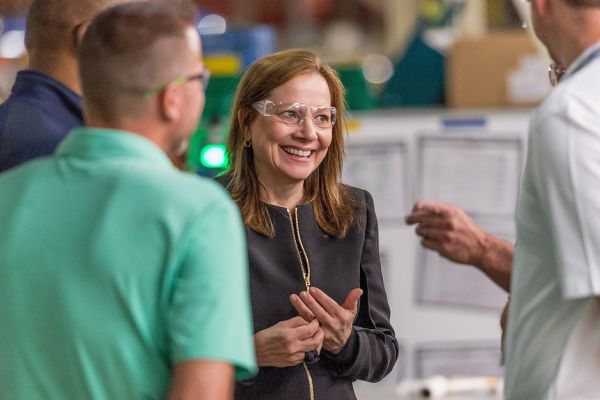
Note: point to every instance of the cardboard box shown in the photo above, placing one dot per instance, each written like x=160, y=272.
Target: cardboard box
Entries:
x=479, y=71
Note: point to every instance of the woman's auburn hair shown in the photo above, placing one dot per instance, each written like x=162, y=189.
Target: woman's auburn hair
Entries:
x=335, y=209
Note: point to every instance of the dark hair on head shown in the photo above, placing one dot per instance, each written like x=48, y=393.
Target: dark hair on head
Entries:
x=130, y=48
x=335, y=210
x=51, y=24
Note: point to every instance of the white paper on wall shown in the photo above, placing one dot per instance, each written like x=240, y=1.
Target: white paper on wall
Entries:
x=481, y=175
x=458, y=359
x=478, y=173
x=381, y=169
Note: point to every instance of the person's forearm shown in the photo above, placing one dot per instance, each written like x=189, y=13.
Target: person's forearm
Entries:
x=496, y=261
x=202, y=380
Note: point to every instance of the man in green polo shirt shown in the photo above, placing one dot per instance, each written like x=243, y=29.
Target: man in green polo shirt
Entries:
x=121, y=277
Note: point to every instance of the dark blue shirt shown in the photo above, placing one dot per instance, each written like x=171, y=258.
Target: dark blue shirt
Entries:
x=37, y=115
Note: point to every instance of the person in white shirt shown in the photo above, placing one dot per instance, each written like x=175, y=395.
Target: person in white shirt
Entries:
x=553, y=345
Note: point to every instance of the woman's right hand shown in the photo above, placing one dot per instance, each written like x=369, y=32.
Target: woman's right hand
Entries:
x=284, y=344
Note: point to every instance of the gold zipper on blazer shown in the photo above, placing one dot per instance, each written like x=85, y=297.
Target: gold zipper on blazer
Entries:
x=311, y=386
x=302, y=256
x=305, y=269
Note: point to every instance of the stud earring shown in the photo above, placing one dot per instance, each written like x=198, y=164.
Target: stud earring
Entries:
x=247, y=143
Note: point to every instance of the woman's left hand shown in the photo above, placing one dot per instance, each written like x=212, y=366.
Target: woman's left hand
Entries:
x=335, y=319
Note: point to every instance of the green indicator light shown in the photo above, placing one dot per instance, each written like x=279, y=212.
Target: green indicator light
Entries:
x=214, y=156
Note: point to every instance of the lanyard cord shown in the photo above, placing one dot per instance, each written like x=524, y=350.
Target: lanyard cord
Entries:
x=586, y=60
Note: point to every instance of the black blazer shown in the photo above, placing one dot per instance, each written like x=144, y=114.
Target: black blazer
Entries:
x=337, y=266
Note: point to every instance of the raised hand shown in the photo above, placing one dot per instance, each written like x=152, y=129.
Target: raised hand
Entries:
x=448, y=230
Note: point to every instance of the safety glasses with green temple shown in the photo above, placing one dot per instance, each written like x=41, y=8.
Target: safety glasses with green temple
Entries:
x=203, y=77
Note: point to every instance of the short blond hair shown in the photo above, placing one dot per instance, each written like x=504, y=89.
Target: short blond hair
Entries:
x=129, y=49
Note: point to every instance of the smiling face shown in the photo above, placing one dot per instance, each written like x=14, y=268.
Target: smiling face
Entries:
x=285, y=154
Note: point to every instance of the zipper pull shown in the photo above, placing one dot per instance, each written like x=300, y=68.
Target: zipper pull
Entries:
x=307, y=282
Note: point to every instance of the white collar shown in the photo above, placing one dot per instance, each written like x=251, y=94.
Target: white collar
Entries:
x=585, y=57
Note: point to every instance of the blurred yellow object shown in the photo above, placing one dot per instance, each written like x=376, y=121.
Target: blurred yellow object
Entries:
x=353, y=125
x=432, y=10
x=223, y=64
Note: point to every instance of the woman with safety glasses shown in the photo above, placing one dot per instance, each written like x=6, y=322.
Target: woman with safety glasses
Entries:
x=321, y=315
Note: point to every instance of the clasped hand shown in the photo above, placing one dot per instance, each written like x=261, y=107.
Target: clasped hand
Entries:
x=284, y=344
x=335, y=319
x=322, y=323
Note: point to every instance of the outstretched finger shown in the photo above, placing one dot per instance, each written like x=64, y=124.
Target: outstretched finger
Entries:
x=315, y=307
x=430, y=232
x=329, y=304
x=432, y=207
x=301, y=308
x=427, y=218
x=417, y=217
x=351, y=301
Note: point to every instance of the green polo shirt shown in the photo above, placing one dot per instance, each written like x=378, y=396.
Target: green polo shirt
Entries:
x=114, y=266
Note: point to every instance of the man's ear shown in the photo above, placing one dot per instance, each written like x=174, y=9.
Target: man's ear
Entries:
x=541, y=7
x=170, y=103
x=79, y=32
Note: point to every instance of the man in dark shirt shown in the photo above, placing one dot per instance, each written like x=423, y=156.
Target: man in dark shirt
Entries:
x=45, y=103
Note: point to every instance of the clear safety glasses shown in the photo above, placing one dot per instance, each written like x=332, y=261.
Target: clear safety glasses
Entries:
x=293, y=114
